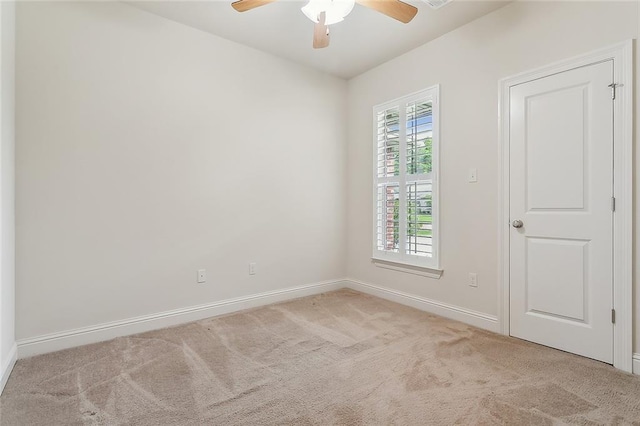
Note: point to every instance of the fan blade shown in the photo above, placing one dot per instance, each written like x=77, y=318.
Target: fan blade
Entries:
x=321, y=32
x=244, y=5
x=395, y=9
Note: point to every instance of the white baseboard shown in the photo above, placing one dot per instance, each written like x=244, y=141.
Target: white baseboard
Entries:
x=101, y=332
x=636, y=363
x=7, y=366
x=477, y=319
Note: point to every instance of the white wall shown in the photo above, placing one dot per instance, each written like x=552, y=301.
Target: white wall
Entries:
x=148, y=150
x=468, y=63
x=7, y=139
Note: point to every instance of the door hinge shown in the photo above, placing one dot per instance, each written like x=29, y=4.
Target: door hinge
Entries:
x=613, y=87
x=613, y=316
x=613, y=204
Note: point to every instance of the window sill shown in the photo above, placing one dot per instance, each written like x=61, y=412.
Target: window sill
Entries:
x=409, y=269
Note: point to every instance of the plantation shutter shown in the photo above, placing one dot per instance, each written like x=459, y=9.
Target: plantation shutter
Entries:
x=405, y=223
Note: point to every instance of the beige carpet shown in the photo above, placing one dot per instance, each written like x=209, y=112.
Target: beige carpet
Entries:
x=338, y=358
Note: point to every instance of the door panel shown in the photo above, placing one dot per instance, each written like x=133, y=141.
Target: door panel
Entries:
x=561, y=180
x=551, y=164
x=556, y=277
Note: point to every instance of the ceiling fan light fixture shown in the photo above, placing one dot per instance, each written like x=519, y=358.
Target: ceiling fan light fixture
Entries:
x=335, y=10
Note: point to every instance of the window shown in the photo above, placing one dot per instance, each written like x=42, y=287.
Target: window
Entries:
x=406, y=180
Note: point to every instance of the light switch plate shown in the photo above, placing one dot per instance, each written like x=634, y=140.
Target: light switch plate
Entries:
x=473, y=175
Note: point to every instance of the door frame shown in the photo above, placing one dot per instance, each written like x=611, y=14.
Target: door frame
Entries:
x=622, y=55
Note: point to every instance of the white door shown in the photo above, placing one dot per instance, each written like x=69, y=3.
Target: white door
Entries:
x=561, y=185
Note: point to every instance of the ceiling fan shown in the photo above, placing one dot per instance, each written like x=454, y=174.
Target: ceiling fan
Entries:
x=328, y=12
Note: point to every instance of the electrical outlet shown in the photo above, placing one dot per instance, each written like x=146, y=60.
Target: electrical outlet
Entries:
x=202, y=275
x=252, y=268
x=473, y=279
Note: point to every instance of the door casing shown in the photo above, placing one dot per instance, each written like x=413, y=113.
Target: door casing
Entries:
x=622, y=55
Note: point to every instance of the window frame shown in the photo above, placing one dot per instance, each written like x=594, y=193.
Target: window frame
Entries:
x=426, y=266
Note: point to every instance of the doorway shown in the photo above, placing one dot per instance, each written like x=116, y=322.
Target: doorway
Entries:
x=566, y=206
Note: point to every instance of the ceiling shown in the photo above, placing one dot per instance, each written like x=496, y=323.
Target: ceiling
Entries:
x=362, y=41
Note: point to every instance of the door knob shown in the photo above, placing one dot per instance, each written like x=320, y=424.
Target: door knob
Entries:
x=517, y=224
